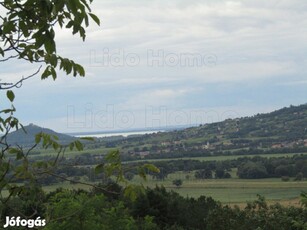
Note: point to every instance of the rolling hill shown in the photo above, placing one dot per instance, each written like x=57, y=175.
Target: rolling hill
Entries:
x=283, y=130
x=26, y=137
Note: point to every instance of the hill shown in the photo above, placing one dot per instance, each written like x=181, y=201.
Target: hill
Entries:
x=26, y=137
x=283, y=130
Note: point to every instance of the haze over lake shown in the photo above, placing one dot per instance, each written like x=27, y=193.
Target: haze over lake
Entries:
x=125, y=134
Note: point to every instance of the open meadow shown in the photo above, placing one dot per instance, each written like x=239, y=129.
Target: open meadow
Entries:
x=227, y=191
x=232, y=190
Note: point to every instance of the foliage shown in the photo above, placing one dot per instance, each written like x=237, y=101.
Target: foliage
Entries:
x=154, y=209
x=71, y=210
x=257, y=215
x=177, y=183
x=203, y=174
x=252, y=170
x=27, y=32
x=281, y=131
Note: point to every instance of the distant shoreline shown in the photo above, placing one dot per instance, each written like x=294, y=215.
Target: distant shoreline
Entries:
x=110, y=134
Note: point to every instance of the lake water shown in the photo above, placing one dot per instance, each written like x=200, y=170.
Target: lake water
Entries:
x=125, y=134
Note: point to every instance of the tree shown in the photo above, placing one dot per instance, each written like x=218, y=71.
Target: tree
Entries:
x=284, y=170
x=252, y=170
x=177, y=182
x=27, y=36
x=299, y=177
x=89, y=212
x=161, y=175
x=27, y=33
x=203, y=174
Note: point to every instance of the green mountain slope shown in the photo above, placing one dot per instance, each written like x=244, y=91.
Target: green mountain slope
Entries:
x=283, y=130
x=287, y=124
x=26, y=138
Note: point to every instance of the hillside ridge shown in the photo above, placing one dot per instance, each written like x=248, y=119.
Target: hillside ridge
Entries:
x=26, y=137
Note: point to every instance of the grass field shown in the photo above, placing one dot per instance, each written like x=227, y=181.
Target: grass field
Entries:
x=233, y=190
x=228, y=191
x=222, y=158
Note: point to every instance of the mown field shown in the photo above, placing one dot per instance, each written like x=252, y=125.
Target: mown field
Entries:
x=228, y=191
x=223, y=158
x=233, y=190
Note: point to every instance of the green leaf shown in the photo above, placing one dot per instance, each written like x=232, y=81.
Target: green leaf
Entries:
x=18, y=152
x=38, y=138
x=10, y=95
x=130, y=192
x=24, y=28
x=71, y=146
x=87, y=138
x=8, y=27
x=46, y=73
x=55, y=145
x=113, y=156
x=99, y=168
x=86, y=20
x=7, y=111
x=19, y=155
x=53, y=73
x=55, y=137
x=80, y=70
x=39, y=39
x=49, y=43
x=69, y=24
x=79, y=145
x=14, y=151
x=142, y=173
x=95, y=18
x=151, y=168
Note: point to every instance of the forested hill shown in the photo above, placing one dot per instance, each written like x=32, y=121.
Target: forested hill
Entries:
x=26, y=137
x=283, y=130
x=286, y=124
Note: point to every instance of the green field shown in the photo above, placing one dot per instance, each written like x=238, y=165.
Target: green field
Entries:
x=224, y=190
x=222, y=158
x=232, y=190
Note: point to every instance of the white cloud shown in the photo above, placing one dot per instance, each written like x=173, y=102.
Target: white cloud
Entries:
x=254, y=41
x=157, y=97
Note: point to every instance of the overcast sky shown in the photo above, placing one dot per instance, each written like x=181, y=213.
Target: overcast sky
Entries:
x=162, y=63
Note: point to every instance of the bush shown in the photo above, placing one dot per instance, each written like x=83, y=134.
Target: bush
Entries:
x=285, y=178
x=252, y=170
x=299, y=177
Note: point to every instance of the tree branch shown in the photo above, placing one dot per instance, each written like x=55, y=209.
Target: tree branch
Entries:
x=18, y=84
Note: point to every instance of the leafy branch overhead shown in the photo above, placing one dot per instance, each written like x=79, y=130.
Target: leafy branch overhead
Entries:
x=27, y=31
x=113, y=167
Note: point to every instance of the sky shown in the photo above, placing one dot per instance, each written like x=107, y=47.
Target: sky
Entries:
x=167, y=63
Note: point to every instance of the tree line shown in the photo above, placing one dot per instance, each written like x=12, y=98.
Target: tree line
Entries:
x=106, y=207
